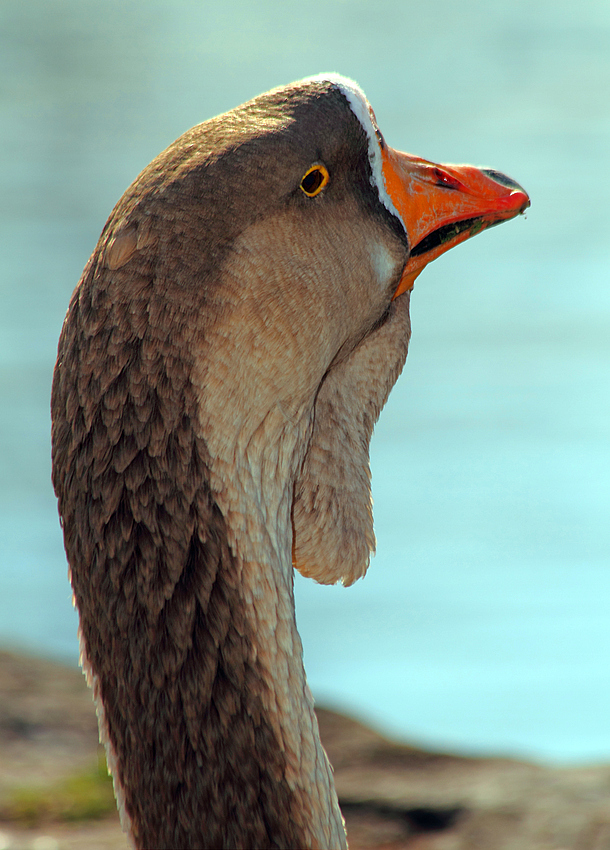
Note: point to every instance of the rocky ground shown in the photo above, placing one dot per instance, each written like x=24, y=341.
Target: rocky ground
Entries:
x=53, y=796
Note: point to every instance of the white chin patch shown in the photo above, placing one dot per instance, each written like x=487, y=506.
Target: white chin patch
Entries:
x=360, y=107
x=384, y=264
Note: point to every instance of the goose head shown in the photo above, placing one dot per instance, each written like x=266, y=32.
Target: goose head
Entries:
x=223, y=361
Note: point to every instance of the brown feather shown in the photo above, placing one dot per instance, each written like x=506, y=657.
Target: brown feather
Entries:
x=170, y=650
x=186, y=359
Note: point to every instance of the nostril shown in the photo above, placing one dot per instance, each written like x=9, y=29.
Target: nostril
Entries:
x=448, y=181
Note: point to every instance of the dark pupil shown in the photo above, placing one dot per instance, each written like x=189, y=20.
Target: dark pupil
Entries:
x=312, y=181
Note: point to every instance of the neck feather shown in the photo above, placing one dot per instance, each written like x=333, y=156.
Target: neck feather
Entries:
x=252, y=478
x=184, y=592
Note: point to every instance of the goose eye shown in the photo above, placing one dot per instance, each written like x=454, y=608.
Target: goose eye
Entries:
x=314, y=180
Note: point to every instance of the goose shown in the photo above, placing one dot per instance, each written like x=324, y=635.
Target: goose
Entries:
x=222, y=363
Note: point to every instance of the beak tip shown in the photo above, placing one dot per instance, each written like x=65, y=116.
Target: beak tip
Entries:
x=517, y=198
x=525, y=202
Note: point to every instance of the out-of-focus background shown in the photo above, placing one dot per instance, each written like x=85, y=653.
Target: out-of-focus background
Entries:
x=483, y=622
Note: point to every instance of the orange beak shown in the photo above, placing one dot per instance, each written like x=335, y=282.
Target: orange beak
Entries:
x=443, y=205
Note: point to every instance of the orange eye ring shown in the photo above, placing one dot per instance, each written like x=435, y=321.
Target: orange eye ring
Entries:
x=314, y=180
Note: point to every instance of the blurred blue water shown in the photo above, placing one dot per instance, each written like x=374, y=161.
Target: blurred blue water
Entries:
x=483, y=623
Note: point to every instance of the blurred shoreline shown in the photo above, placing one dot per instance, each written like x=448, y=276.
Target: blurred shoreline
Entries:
x=392, y=795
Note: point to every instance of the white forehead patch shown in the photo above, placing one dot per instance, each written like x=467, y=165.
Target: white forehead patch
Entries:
x=360, y=107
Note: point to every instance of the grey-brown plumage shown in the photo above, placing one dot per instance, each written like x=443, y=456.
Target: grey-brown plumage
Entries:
x=222, y=363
